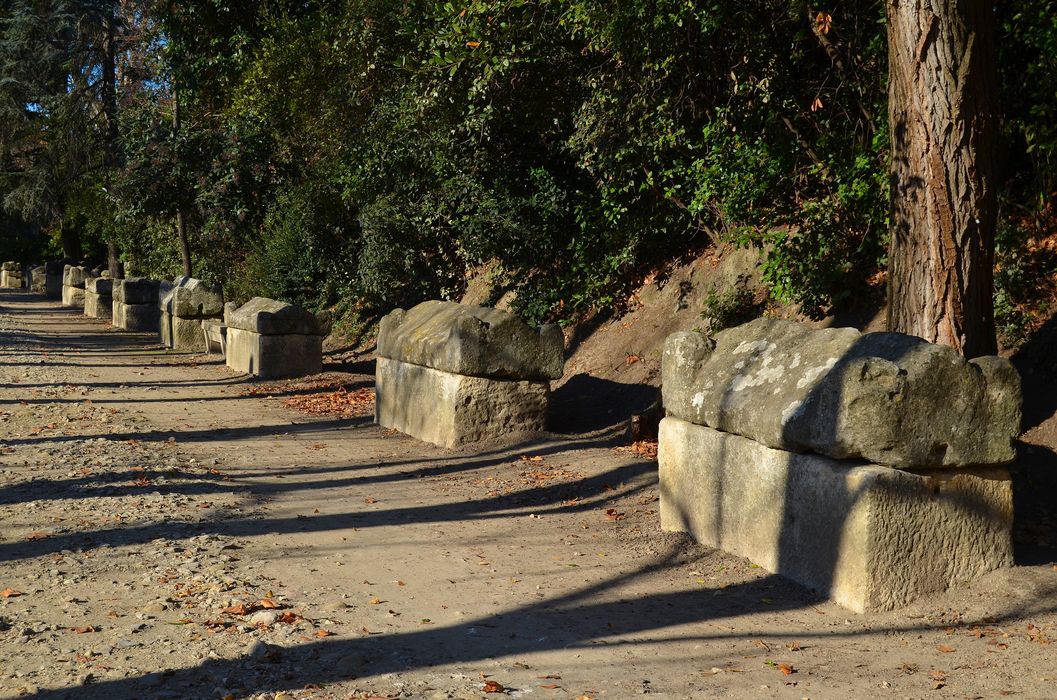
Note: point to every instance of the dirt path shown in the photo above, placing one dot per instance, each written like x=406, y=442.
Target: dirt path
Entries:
x=175, y=533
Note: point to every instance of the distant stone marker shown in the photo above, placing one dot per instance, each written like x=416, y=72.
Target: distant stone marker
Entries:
x=37, y=280
x=11, y=275
x=453, y=374
x=53, y=274
x=764, y=419
x=272, y=339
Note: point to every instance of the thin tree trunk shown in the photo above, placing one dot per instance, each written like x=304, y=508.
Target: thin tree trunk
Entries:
x=942, y=113
x=109, y=96
x=181, y=221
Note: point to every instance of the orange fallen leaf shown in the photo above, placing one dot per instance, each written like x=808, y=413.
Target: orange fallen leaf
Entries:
x=84, y=630
x=376, y=601
x=370, y=500
x=786, y=669
x=289, y=617
x=268, y=604
x=493, y=687
x=10, y=593
x=550, y=686
x=945, y=648
x=613, y=514
x=324, y=633
x=239, y=609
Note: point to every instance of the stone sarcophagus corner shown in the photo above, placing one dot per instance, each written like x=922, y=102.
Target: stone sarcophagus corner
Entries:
x=184, y=305
x=867, y=467
x=10, y=275
x=453, y=374
x=135, y=304
x=272, y=339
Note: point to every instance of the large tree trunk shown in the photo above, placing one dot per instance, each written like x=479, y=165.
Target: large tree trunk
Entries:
x=942, y=113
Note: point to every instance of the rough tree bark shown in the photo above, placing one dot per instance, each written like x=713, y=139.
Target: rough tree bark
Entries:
x=943, y=118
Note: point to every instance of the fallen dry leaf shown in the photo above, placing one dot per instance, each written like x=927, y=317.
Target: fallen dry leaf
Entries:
x=10, y=593
x=324, y=633
x=613, y=514
x=84, y=630
x=945, y=648
x=289, y=617
x=493, y=687
x=239, y=609
x=786, y=669
x=268, y=604
x=550, y=686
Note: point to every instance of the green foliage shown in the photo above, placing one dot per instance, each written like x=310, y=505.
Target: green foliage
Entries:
x=731, y=307
x=366, y=153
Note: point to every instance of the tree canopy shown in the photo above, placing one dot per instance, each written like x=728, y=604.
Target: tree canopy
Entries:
x=367, y=152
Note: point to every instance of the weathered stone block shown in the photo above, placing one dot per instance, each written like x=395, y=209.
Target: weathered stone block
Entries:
x=10, y=279
x=73, y=296
x=10, y=266
x=193, y=298
x=181, y=333
x=74, y=276
x=136, y=290
x=472, y=340
x=99, y=285
x=271, y=317
x=273, y=356
x=867, y=536
x=38, y=280
x=886, y=397
x=97, y=305
x=135, y=317
x=453, y=409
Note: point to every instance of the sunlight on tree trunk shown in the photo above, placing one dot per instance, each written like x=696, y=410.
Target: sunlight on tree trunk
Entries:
x=943, y=120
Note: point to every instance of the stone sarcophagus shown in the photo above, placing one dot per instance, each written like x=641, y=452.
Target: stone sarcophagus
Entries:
x=135, y=304
x=183, y=307
x=453, y=374
x=73, y=279
x=98, y=297
x=864, y=466
x=272, y=339
x=37, y=281
x=11, y=275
